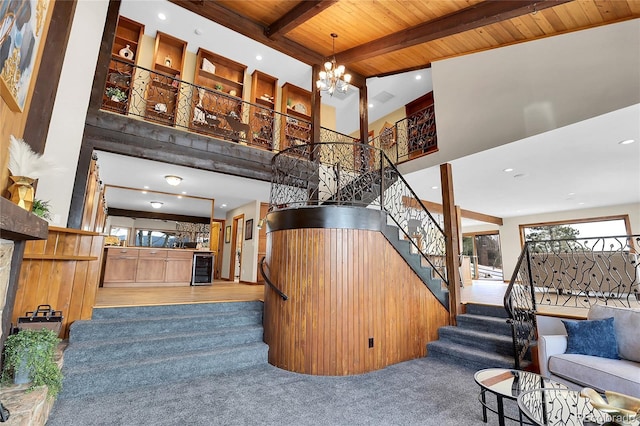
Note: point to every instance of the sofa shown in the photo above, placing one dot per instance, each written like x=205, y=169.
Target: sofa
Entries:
x=602, y=352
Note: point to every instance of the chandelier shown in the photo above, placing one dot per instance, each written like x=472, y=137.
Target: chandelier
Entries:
x=333, y=78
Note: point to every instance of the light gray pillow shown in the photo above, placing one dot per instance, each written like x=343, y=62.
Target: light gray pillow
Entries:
x=626, y=323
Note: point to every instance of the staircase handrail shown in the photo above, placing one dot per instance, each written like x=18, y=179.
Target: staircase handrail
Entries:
x=268, y=281
x=312, y=174
x=571, y=272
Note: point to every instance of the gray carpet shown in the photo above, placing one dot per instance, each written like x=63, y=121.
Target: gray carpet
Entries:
x=419, y=392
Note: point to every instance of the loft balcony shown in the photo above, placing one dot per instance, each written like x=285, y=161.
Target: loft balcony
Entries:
x=159, y=98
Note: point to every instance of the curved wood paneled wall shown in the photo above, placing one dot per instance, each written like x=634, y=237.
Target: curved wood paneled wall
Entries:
x=345, y=287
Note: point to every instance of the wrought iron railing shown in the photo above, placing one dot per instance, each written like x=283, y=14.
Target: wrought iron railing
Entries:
x=410, y=137
x=167, y=100
x=137, y=91
x=570, y=273
x=357, y=175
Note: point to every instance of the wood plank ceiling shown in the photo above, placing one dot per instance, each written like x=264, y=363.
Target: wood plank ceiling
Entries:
x=382, y=37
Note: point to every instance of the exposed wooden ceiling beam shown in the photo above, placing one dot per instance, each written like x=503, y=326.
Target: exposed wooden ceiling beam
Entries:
x=467, y=214
x=485, y=13
x=154, y=215
x=302, y=12
x=217, y=13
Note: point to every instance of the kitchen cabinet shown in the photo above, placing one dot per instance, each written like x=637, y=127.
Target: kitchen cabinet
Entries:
x=151, y=266
x=178, y=267
x=120, y=265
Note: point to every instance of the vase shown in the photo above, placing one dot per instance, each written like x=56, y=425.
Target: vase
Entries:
x=126, y=52
x=22, y=191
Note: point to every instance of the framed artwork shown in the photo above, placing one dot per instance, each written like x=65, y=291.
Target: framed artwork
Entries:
x=387, y=135
x=248, y=230
x=21, y=29
x=227, y=234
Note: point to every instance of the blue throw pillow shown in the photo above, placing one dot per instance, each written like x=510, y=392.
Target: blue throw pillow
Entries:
x=592, y=337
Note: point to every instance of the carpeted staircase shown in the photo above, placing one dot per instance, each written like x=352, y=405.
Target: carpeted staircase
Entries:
x=482, y=339
x=127, y=348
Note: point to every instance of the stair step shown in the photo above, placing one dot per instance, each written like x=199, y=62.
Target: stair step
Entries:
x=101, y=330
x=497, y=311
x=488, y=342
x=173, y=310
x=123, y=349
x=484, y=323
x=120, y=376
x=464, y=355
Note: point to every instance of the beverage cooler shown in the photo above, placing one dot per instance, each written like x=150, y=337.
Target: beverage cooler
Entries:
x=202, y=269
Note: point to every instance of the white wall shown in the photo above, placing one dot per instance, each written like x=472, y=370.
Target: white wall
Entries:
x=249, y=271
x=510, y=232
x=70, y=108
x=502, y=95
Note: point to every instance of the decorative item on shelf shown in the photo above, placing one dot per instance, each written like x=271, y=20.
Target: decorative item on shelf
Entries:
x=160, y=107
x=116, y=94
x=167, y=61
x=300, y=108
x=26, y=168
x=208, y=66
x=176, y=81
x=126, y=52
x=232, y=92
x=218, y=86
x=29, y=358
x=333, y=76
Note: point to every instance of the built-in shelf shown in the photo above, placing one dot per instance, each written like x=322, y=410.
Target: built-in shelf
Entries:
x=263, y=94
x=296, y=101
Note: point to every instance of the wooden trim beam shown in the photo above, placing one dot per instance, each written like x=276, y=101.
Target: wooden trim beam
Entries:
x=215, y=12
x=452, y=234
x=478, y=15
x=302, y=12
x=154, y=215
x=467, y=214
x=129, y=188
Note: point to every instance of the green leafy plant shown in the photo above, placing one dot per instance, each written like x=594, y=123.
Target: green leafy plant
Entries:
x=218, y=86
x=41, y=209
x=115, y=93
x=33, y=350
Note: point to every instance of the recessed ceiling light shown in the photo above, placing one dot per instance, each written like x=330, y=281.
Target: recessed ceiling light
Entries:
x=370, y=105
x=626, y=142
x=434, y=187
x=258, y=57
x=146, y=187
x=223, y=205
x=180, y=196
x=156, y=204
x=198, y=31
x=162, y=16
x=581, y=203
x=173, y=180
x=418, y=77
x=184, y=192
x=571, y=193
x=144, y=192
x=508, y=169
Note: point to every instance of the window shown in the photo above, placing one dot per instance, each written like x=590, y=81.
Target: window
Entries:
x=587, y=231
x=483, y=251
x=121, y=233
x=152, y=238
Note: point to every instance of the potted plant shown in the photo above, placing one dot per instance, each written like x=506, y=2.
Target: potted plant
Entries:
x=29, y=357
x=116, y=94
x=41, y=209
x=218, y=87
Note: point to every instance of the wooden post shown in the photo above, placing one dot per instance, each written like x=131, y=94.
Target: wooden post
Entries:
x=451, y=231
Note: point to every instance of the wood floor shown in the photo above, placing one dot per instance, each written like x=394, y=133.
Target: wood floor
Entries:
x=482, y=292
x=219, y=291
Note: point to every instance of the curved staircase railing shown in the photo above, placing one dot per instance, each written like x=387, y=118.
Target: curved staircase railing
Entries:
x=355, y=174
x=269, y=283
x=574, y=273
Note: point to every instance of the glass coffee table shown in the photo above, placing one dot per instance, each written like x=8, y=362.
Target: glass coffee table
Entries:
x=509, y=384
x=560, y=407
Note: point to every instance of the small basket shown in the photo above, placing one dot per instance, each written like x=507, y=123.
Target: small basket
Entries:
x=43, y=317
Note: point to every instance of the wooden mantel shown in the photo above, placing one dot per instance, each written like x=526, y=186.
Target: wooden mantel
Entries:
x=17, y=224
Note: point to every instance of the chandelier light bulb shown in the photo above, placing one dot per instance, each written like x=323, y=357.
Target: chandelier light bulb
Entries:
x=156, y=204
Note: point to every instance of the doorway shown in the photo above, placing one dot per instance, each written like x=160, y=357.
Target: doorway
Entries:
x=483, y=251
x=235, y=263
